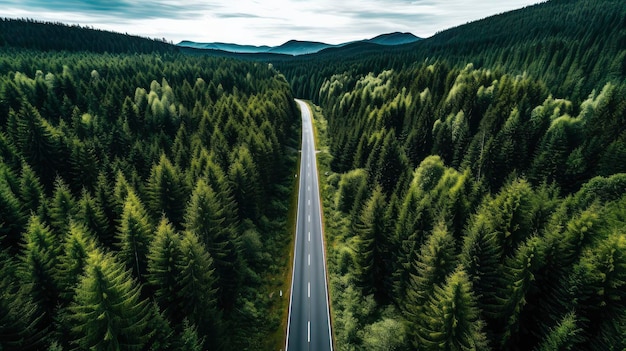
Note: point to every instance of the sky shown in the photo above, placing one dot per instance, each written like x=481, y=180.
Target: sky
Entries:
x=261, y=22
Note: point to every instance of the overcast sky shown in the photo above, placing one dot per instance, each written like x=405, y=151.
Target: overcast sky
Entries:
x=261, y=22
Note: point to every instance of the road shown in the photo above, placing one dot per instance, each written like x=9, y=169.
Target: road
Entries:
x=308, y=327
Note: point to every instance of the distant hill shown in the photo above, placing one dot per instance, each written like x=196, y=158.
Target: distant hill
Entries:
x=52, y=36
x=396, y=38
x=296, y=47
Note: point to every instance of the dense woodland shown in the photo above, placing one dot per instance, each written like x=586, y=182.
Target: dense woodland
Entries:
x=480, y=206
x=474, y=187
x=143, y=200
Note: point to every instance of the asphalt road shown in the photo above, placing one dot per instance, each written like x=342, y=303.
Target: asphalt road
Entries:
x=308, y=327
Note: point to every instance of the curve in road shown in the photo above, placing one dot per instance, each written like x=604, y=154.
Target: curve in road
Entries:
x=308, y=326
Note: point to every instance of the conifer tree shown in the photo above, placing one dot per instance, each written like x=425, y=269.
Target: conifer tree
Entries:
x=451, y=318
x=206, y=220
x=77, y=246
x=246, y=183
x=518, y=280
x=198, y=290
x=372, y=247
x=563, y=337
x=164, y=258
x=62, y=207
x=39, y=260
x=31, y=190
x=480, y=257
x=38, y=142
x=21, y=320
x=92, y=216
x=597, y=287
x=13, y=221
x=107, y=312
x=134, y=236
x=167, y=191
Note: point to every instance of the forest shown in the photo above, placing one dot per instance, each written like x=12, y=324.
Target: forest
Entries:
x=143, y=200
x=474, y=187
x=475, y=184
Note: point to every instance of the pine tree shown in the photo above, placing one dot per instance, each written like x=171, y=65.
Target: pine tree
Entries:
x=107, y=312
x=13, y=221
x=435, y=262
x=92, y=216
x=164, y=258
x=246, y=183
x=37, y=142
x=31, y=190
x=198, y=289
x=77, y=246
x=134, y=236
x=372, y=247
x=205, y=219
x=62, y=207
x=480, y=257
x=39, y=260
x=518, y=282
x=21, y=320
x=597, y=291
x=451, y=319
x=167, y=191
x=563, y=337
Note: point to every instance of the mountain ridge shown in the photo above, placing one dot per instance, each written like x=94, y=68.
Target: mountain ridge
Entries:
x=299, y=47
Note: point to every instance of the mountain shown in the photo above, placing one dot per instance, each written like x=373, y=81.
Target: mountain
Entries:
x=236, y=48
x=395, y=38
x=297, y=47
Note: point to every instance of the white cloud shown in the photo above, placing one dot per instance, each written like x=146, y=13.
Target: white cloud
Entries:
x=262, y=22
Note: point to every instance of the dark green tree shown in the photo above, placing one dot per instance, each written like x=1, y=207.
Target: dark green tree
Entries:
x=167, y=191
x=372, y=249
x=205, y=218
x=40, y=257
x=450, y=318
x=134, y=236
x=107, y=312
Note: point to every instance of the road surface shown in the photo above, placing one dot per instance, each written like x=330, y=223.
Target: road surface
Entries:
x=308, y=327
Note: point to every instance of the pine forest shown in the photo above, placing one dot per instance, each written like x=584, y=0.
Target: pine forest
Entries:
x=473, y=187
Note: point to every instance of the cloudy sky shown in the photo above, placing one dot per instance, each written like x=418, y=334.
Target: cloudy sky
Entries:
x=261, y=22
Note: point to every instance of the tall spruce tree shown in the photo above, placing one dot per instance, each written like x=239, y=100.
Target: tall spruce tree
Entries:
x=107, y=312
x=451, y=320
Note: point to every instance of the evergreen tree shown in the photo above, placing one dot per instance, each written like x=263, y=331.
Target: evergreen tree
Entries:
x=134, y=236
x=206, y=220
x=21, y=320
x=13, y=221
x=164, y=258
x=91, y=214
x=62, y=207
x=198, y=290
x=372, y=248
x=246, y=183
x=107, y=312
x=451, y=319
x=31, y=190
x=435, y=262
x=77, y=246
x=39, y=260
x=563, y=337
x=166, y=191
